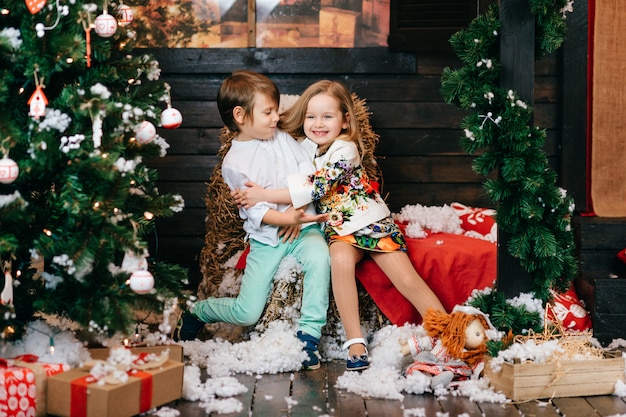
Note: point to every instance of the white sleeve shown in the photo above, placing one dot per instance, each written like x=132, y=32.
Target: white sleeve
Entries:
x=300, y=189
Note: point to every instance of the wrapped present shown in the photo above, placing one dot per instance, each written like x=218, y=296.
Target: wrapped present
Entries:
x=108, y=389
x=23, y=385
x=175, y=352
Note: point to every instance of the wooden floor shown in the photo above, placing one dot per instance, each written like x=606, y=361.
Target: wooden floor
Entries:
x=313, y=394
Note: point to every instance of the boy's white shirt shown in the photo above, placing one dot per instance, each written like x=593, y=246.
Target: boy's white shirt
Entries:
x=267, y=163
x=301, y=189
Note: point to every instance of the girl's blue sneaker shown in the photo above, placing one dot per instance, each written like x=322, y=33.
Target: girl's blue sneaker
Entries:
x=357, y=362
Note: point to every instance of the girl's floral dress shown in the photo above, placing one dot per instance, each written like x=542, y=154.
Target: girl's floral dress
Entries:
x=357, y=213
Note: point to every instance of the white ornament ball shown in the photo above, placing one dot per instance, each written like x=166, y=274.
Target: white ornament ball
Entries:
x=125, y=15
x=145, y=133
x=171, y=118
x=8, y=170
x=105, y=25
x=141, y=282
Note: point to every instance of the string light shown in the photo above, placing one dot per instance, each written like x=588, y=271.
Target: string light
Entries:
x=47, y=232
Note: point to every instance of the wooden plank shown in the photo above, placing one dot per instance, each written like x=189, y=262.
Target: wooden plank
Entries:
x=575, y=407
x=399, y=195
x=194, y=193
x=461, y=406
x=596, y=233
x=271, y=393
x=281, y=60
x=310, y=390
x=517, y=55
x=383, y=407
x=573, y=174
x=341, y=402
x=500, y=410
x=193, y=141
x=446, y=169
x=607, y=405
x=426, y=401
x=190, y=222
x=183, y=167
x=537, y=409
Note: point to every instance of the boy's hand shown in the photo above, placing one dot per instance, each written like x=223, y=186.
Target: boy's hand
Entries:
x=289, y=233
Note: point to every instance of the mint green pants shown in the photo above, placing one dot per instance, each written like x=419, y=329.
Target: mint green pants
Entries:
x=311, y=251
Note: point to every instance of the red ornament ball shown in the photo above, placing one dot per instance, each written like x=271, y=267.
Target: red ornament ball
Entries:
x=105, y=25
x=145, y=133
x=125, y=15
x=141, y=282
x=171, y=118
x=8, y=170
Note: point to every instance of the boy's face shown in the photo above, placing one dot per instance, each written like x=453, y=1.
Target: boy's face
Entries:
x=262, y=123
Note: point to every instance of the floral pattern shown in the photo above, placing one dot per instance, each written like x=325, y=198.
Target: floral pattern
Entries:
x=339, y=188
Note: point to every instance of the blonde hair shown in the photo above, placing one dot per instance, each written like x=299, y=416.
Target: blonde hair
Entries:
x=239, y=89
x=292, y=120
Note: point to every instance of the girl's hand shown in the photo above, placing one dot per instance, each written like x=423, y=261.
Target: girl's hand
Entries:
x=299, y=216
x=248, y=197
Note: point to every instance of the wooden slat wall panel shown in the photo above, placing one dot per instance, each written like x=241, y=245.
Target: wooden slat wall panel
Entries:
x=418, y=151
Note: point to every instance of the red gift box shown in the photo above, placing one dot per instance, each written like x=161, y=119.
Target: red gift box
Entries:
x=23, y=385
x=77, y=393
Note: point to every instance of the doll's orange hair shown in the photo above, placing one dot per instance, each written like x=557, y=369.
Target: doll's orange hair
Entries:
x=450, y=329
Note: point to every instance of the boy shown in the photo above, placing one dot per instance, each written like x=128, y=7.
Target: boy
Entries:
x=248, y=105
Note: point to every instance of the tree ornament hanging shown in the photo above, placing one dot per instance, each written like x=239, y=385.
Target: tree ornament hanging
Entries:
x=141, y=281
x=125, y=15
x=6, y=296
x=35, y=6
x=171, y=118
x=145, y=133
x=38, y=100
x=105, y=25
x=9, y=170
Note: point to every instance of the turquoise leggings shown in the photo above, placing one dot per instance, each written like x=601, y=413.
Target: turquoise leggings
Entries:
x=311, y=250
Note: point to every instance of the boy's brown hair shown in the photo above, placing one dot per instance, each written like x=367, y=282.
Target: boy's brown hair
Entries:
x=239, y=90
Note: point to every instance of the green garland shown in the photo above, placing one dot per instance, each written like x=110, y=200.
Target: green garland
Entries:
x=498, y=130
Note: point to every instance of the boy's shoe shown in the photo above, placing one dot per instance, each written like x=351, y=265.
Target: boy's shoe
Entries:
x=357, y=362
x=187, y=327
x=311, y=343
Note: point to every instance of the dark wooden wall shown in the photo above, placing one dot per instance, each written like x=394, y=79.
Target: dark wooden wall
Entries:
x=418, y=151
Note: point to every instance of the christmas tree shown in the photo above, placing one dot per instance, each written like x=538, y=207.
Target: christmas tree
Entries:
x=78, y=110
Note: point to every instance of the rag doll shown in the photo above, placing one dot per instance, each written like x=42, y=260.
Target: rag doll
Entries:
x=453, y=348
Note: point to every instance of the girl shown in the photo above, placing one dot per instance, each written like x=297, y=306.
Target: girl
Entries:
x=359, y=221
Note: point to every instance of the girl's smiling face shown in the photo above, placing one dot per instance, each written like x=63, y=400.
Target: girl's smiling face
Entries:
x=323, y=120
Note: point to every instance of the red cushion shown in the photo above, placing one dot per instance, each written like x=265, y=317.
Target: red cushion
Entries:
x=479, y=222
x=569, y=311
x=452, y=266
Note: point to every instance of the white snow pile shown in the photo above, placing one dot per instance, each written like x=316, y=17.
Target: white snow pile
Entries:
x=436, y=219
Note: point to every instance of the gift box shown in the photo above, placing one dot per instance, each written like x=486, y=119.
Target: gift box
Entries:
x=77, y=393
x=175, y=351
x=23, y=385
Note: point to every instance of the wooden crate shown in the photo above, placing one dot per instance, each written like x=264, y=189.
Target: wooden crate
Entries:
x=529, y=381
